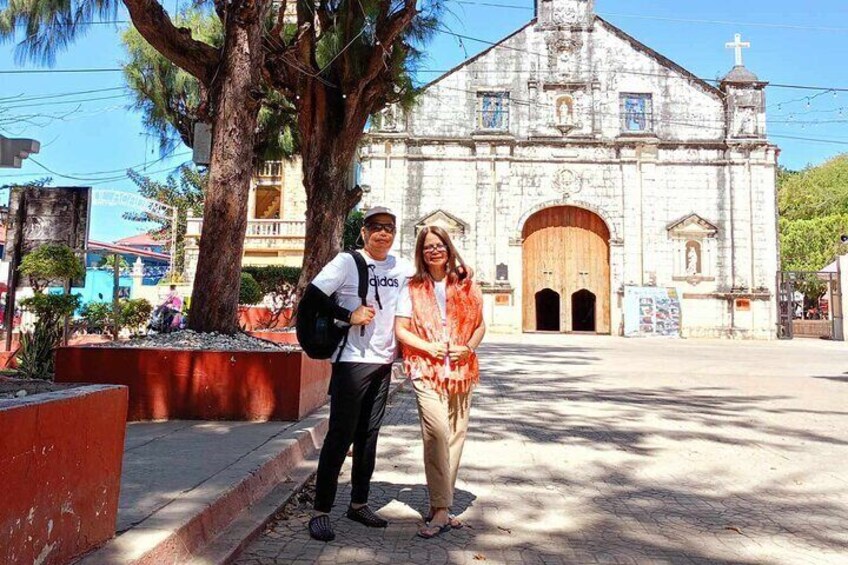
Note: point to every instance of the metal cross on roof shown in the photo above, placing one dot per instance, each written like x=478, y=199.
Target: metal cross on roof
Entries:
x=738, y=44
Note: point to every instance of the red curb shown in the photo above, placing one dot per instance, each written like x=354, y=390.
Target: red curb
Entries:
x=201, y=529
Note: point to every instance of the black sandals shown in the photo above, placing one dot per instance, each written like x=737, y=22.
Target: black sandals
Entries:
x=321, y=529
x=431, y=531
x=365, y=515
x=455, y=522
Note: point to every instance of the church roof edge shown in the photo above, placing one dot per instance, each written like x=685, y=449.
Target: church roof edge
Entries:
x=638, y=45
x=478, y=55
x=660, y=58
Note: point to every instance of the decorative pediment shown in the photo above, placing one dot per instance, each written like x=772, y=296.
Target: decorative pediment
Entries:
x=454, y=226
x=693, y=226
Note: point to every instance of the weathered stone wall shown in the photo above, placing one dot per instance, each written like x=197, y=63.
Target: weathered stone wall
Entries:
x=437, y=158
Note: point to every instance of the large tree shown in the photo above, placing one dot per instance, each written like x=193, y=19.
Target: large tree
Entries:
x=336, y=61
x=172, y=101
x=813, y=207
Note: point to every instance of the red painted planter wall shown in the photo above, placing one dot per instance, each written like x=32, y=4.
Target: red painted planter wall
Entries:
x=172, y=384
x=60, y=471
x=259, y=318
x=289, y=338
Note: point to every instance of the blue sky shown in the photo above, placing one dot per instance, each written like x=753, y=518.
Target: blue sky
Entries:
x=793, y=43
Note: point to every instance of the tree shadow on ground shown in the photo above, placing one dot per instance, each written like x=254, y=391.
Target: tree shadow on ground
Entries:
x=835, y=378
x=622, y=515
x=584, y=468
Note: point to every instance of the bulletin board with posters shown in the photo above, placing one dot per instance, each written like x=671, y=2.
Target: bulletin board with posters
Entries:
x=651, y=312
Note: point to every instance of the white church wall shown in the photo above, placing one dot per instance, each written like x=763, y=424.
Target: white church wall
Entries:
x=682, y=110
x=492, y=181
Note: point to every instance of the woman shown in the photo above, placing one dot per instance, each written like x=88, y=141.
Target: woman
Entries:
x=439, y=323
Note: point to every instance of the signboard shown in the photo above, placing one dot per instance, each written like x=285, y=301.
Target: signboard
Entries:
x=39, y=215
x=743, y=304
x=651, y=312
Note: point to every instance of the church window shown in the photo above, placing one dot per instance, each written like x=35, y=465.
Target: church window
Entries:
x=637, y=113
x=493, y=110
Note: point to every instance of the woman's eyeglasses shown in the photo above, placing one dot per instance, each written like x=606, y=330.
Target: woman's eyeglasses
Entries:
x=375, y=227
x=436, y=248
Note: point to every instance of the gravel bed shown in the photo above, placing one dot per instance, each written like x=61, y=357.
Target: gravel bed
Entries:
x=11, y=388
x=188, y=339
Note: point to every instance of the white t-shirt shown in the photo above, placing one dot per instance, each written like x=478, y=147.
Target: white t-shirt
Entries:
x=385, y=278
x=404, y=307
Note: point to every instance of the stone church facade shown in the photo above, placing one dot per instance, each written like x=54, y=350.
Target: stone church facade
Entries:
x=570, y=161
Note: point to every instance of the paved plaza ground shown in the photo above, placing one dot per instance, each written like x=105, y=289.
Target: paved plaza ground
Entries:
x=605, y=450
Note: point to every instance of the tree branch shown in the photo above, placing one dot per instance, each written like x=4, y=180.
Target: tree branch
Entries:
x=176, y=44
x=388, y=31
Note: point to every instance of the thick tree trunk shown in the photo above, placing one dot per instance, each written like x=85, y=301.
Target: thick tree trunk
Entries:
x=216, y=285
x=328, y=201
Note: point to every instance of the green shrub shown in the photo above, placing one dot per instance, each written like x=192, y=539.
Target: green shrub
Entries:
x=249, y=291
x=98, y=317
x=51, y=263
x=35, y=357
x=135, y=313
x=273, y=278
x=51, y=307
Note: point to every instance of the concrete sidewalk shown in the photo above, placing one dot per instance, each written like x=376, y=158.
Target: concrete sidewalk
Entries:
x=197, y=490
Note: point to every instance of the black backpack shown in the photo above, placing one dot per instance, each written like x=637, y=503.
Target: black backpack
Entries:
x=317, y=331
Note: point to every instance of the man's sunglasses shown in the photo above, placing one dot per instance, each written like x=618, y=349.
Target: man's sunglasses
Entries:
x=375, y=227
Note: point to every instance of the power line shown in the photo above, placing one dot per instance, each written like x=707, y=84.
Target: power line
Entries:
x=811, y=139
x=668, y=19
x=58, y=71
x=725, y=22
x=23, y=98
x=86, y=177
x=57, y=102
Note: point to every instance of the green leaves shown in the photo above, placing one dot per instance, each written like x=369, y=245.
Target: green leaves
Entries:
x=814, y=192
x=132, y=314
x=249, y=291
x=169, y=98
x=810, y=245
x=183, y=190
x=46, y=27
x=51, y=263
x=813, y=206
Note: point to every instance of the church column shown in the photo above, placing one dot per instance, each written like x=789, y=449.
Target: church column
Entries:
x=616, y=282
x=647, y=156
x=631, y=190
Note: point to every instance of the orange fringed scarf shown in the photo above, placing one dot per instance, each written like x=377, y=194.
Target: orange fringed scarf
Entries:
x=464, y=315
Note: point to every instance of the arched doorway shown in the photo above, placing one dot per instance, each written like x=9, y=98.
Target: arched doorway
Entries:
x=583, y=311
x=547, y=311
x=566, y=251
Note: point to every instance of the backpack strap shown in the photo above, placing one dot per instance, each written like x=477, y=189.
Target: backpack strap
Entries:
x=362, y=271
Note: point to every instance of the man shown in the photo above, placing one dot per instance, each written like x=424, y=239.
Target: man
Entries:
x=360, y=381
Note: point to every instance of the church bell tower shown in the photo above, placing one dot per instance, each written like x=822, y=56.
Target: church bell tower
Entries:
x=745, y=98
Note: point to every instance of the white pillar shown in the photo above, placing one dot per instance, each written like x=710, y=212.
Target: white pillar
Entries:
x=137, y=278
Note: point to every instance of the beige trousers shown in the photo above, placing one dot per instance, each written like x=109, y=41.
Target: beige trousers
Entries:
x=444, y=422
